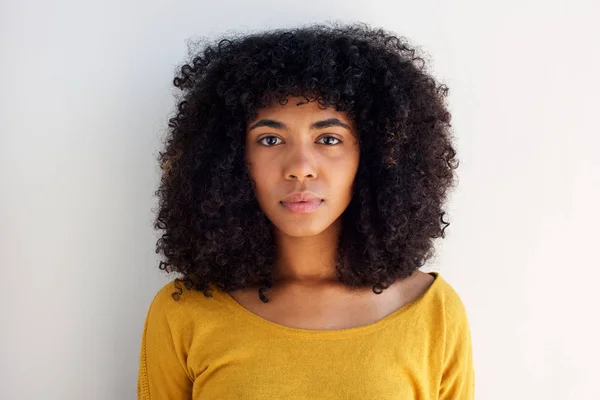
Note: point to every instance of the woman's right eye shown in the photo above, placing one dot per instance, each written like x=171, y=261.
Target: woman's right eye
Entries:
x=271, y=143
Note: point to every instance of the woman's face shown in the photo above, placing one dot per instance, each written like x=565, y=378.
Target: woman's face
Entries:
x=301, y=148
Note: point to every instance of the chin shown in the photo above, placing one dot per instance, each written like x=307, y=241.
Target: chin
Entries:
x=301, y=225
x=299, y=229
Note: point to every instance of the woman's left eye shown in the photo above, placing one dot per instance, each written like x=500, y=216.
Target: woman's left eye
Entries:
x=331, y=137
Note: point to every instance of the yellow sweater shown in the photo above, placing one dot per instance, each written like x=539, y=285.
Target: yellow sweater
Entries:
x=209, y=349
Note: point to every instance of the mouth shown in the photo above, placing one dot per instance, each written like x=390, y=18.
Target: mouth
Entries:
x=302, y=207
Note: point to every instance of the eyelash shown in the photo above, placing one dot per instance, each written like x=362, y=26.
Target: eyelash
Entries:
x=331, y=145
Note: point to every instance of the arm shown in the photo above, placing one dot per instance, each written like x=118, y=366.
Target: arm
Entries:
x=458, y=376
x=162, y=371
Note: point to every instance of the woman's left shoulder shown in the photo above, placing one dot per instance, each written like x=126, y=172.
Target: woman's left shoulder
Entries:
x=453, y=305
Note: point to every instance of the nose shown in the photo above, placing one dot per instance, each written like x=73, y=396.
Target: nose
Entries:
x=300, y=166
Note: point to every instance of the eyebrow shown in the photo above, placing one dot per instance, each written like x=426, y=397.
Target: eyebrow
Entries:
x=326, y=123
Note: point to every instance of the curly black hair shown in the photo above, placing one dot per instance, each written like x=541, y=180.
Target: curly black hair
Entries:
x=214, y=230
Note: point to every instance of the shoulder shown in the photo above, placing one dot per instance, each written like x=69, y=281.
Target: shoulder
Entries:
x=454, y=307
x=440, y=293
x=434, y=285
x=173, y=303
x=450, y=312
x=438, y=301
x=175, y=292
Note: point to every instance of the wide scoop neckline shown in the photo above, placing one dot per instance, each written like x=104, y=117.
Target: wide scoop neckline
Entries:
x=238, y=310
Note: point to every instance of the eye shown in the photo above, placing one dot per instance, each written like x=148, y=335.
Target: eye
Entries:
x=273, y=139
x=271, y=144
x=331, y=137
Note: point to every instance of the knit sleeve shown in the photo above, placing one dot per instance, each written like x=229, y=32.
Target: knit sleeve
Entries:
x=458, y=376
x=162, y=371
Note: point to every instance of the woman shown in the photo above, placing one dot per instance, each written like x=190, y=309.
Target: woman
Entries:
x=303, y=181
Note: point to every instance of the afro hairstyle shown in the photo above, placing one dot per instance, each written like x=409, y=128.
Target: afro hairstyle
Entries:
x=214, y=231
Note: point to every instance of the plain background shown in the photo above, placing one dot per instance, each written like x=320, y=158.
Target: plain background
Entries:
x=85, y=91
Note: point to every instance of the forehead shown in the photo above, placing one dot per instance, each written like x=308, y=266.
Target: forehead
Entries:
x=298, y=110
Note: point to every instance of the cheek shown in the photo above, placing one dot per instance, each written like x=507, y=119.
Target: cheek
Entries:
x=347, y=169
x=258, y=173
x=341, y=181
x=349, y=179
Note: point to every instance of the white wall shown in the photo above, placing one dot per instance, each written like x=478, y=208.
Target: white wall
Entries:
x=85, y=92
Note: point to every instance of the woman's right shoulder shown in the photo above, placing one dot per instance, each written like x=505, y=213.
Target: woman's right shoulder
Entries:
x=174, y=301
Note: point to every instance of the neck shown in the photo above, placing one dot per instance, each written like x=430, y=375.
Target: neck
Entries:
x=307, y=260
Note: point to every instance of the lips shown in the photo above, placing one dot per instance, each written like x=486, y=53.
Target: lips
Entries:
x=302, y=207
x=297, y=197
x=302, y=202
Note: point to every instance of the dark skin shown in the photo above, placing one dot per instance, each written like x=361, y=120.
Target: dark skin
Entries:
x=290, y=153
